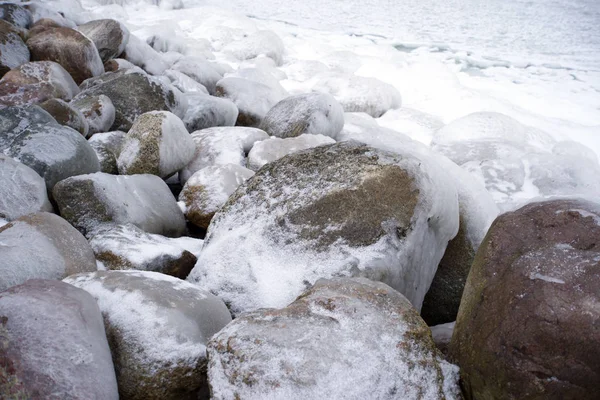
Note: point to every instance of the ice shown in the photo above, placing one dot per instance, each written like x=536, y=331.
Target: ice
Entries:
x=417, y=125
x=363, y=128
x=258, y=43
x=546, y=278
x=202, y=71
x=274, y=148
x=184, y=83
x=206, y=111
x=260, y=75
x=142, y=55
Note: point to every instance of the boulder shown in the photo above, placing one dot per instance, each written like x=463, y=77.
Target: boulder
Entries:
x=527, y=327
x=256, y=44
x=158, y=143
x=109, y=36
x=13, y=51
x=184, y=83
x=338, y=210
x=157, y=328
x=98, y=111
x=200, y=70
x=116, y=64
x=43, y=24
x=16, y=15
x=53, y=344
x=343, y=338
x=42, y=246
x=208, y=111
x=107, y=147
x=74, y=51
x=66, y=115
x=87, y=201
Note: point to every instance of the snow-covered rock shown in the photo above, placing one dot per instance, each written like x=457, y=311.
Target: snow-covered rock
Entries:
x=54, y=344
x=365, y=129
x=343, y=338
x=158, y=143
x=256, y=44
x=184, y=83
x=208, y=189
x=13, y=51
x=314, y=113
x=158, y=327
x=98, y=111
x=87, y=201
x=339, y=210
x=142, y=55
x=116, y=64
x=16, y=15
x=109, y=36
x=42, y=246
x=107, y=146
x=200, y=70
x=260, y=75
x=66, y=115
x=221, y=146
x=418, y=125
x=206, y=111
x=274, y=148
x=22, y=190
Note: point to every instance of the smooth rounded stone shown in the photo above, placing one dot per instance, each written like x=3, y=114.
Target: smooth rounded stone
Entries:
x=208, y=189
x=107, y=146
x=158, y=143
x=98, y=111
x=22, y=190
x=41, y=25
x=109, y=36
x=361, y=94
x=139, y=53
x=71, y=49
x=256, y=44
x=13, y=51
x=328, y=344
x=274, y=148
x=338, y=210
x=42, y=246
x=53, y=344
x=133, y=94
x=116, y=64
x=87, y=201
x=264, y=75
x=184, y=83
x=314, y=113
x=527, y=326
x=15, y=120
x=66, y=115
x=253, y=99
x=16, y=15
x=221, y=146
x=200, y=70
x=122, y=247
x=36, y=82
x=157, y=328
x=206, y=111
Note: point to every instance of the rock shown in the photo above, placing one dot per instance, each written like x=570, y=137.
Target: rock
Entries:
x=142, y=55
x=87, y=201
x=15, y=120
x=221, y=146
x=200, y=70
x=208, y=111
x=208, y=189
x=74, y=51
x=258, y=43
x=314, y=113
x=16, y=15
x=418, y=125
x=43, y=24
x=338, y=210
x=98, y=111
x=117, y=64
x=158, y=143
x=157, y=328
x=22, y=190
x=133, y=94
x=252, y=99
x=328, y=344
x=66, y=115
x=54, y=344
x=274, y=148
x=107, y=147
x=442, y=335
x=184, y=83
x=36, y=82
x=121, y=247
x=527, y=326
x=109, y=36
x=263, y=74
x=42, y=246
x=365, y=129
x=13, y=51
x=55, y=152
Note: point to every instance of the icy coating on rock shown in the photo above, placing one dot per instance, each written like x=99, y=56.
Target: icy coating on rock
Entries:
x=274, y=148
x=206, y=111
x=98, y=111
x=258, y=43
x=201, y=71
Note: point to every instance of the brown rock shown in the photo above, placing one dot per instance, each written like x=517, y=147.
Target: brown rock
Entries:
x=109, y=36
x=43, y=25
x=66, y=115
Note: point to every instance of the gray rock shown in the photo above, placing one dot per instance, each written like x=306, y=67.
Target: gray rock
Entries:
x=109, y=36
x=13, y=51
x=208, y=111
x=98, y=111
x=15, y=120
x=66, y=115
x=16, y=15
x=107, y=147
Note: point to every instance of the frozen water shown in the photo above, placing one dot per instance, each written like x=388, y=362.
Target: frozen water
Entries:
x=274, y=148
x=204, y=111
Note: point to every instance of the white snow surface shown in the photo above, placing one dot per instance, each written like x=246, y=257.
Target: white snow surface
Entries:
x=258, y=43
x=184, y=83
x=274, y=148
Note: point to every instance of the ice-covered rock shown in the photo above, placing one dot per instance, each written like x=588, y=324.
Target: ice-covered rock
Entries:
x=48, y=17
x=98, y=111
x=71, y=49
x=184, y=83
x=442, y=335
x=256, y=44
x=22, y=190
x=200, y=70
x=260, y=75
x=158, y=143
x=208, y=189
x=221, y=146
x=42, y=246
x=343, y=338
x=16, y=15
x=365, y=129
x=361, y=94
x=121, y=247
x=54, y=344
x=145, y=201
x=253, y=99
x=13, y=51
x=274, y=148
x=109, y=36
x=314, y=113
x=570, y=148
x=528, y=321
x=142, y=55
x=206, y=111
x=158, y=327
x=339, y=210
x=418, y=125
x=116, y=64
x=107, y=146
x=66, y=115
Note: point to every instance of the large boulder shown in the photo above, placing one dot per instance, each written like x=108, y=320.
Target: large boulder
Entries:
x=339, y=210
x=107, y=146
x=157, y=328
x=527, y=327
x=13, y=51
x=98, y=111
x=87, y=201
x=343, y=338
x=53, y=344
x=66, y=115
x=158, y=143
x=16, y=15
x=74, y=51
x=109, y=36
x=42, y=246
x=206, y=111
x=22, y=190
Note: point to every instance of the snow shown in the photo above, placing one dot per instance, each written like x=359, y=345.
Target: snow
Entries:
x=200, y=70
x=206, y=111
x=142, y=55
x=274, y=148
x=417, y=125
x=256, y=44
x=184, y=83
